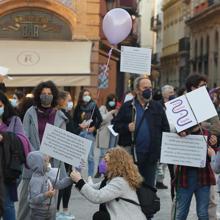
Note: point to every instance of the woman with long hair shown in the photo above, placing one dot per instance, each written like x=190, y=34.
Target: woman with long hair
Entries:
x=14, y=145
x=88, y=120
x=121, y=180
x=64, y=194
x=37, y=116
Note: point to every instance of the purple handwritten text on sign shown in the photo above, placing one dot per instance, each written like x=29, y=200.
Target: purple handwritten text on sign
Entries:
x=179, y=108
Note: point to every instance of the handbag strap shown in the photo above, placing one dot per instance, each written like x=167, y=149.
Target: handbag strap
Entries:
x=134, y=134
x=128, y=200
x=102, y=206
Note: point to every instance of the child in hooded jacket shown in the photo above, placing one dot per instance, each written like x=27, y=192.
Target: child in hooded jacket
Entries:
x=42, y=187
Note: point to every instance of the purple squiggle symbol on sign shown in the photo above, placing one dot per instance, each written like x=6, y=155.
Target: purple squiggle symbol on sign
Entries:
x=177, y=103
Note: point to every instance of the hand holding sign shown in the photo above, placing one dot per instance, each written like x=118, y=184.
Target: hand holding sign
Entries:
x=190, y=109
x=75, y=176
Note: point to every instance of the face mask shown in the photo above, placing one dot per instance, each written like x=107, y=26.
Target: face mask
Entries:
x=1, y=111
x=111, y=103
x=171, y=97
x=46, y=100
x=69, y=105
x=147, y=93
x=13, y=102
x=86, y=98
x=102, y=167
x=128, y=97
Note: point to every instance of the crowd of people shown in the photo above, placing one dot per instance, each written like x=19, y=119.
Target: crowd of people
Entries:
x=125, y=161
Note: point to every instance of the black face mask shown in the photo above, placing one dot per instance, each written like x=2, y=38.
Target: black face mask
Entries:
x=171, y=97
x=147, y=93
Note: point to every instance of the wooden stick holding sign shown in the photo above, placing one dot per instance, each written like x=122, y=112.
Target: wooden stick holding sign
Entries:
x=57, y=174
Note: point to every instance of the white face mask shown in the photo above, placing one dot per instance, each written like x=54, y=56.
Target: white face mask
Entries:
x=86, y=98
x=69, y=105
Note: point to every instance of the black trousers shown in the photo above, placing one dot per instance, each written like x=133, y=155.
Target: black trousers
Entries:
x=64, y=194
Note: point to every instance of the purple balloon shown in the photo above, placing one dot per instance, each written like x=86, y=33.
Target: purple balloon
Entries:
x=116, y=25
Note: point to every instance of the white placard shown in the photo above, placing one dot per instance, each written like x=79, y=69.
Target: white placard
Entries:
x=201, y=104
x=185, y=111
x=135, y=60
x=65, y=146
x=186, y=151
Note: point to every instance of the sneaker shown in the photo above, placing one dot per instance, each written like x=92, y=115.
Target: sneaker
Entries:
x=89, y=180
x=58, y=214
x=67, y=216
x=160, y=185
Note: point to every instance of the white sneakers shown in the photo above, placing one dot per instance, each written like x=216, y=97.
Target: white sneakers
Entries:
x=64, y=216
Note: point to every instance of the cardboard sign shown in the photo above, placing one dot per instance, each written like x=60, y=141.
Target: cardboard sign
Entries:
x=186, y=151
x=135, y=60
x=65, y=146
x=190, y=109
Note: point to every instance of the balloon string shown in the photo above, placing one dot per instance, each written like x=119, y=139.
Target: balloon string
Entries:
x=98, y=91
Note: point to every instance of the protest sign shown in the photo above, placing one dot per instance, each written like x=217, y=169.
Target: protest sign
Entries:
x=135, y=60
x=186, y=151
x=190, y=109
x=65, y=146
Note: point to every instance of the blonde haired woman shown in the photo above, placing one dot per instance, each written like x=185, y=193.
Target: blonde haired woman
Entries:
x=122, y=179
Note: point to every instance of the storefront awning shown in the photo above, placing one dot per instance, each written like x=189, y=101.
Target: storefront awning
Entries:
x=31, y=62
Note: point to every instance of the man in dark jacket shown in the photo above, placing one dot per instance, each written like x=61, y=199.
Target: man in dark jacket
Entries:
x=144, y=120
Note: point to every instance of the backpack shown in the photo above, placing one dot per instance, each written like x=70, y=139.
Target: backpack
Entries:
x=148, y=200
x=13, y=157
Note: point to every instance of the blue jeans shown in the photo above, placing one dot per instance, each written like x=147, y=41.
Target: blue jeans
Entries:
x=112, y=143
x=91, y=162
x=9, y=208
x=184, y=197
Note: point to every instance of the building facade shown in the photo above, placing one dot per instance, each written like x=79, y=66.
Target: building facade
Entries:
x=50, y=40
x=175, y=51
x=156, y=27
x=205, y=30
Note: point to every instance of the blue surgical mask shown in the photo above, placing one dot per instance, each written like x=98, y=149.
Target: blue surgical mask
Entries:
x=111, y=103
x=1, y=111
x=86, y=98
x=13, y=102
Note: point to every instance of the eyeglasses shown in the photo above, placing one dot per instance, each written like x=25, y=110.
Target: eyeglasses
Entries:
x=204, y=84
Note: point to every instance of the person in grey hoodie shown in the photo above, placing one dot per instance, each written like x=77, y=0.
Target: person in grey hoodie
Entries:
x=42, y=187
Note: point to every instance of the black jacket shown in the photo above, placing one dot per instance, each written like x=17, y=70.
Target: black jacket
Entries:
x=71, y=125
x=96, y=116
x=157, y=124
